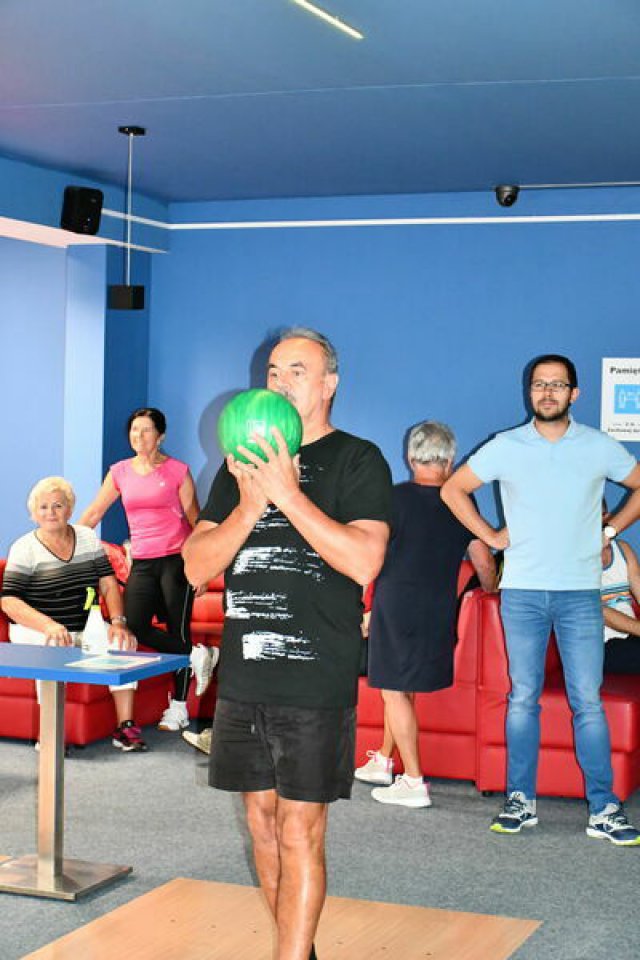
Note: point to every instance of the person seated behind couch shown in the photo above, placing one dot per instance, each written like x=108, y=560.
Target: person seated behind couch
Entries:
x=413, y=618
x=45, y=585
x=620, y=586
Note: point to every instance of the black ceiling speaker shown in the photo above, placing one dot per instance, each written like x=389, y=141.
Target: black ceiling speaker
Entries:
x=125, y=296
x=81, y=209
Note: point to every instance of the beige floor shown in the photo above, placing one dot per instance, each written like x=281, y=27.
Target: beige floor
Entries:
x=201, y=920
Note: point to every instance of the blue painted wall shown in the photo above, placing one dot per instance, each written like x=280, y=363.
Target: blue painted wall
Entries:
x=125, y=377
x=84, y=370
x=429, y=321
x=32, y=361
x=71, y=370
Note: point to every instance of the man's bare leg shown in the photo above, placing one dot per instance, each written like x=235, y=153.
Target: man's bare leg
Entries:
x=288, y=841
x=260, y=808
x=303, y=878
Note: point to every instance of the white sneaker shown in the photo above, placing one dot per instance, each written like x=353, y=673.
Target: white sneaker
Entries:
x=403, y=793
x=175, y=716
x=377, y=769
x=203, y=661
x=201, y=741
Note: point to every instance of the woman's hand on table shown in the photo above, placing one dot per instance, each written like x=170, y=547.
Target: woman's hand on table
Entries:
x=121, y=638
x=57, y=635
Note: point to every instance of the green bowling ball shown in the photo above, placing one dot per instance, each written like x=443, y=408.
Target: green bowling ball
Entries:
x=256, y=411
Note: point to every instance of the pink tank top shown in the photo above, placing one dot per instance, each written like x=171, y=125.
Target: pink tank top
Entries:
x=157, y=522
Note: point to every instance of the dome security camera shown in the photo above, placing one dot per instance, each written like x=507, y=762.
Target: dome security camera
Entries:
x=507, y=195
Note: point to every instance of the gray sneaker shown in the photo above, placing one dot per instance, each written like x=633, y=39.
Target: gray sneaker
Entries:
x=518, y=812
x=201, y=741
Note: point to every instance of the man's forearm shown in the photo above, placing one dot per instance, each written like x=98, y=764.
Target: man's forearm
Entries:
x=463, y=507
x=356, y=552
x=210, y=550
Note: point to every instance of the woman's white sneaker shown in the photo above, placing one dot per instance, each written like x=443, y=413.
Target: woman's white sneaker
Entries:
x=405, y=792
x=175, y=716
x=203, y=661
x=378, y=769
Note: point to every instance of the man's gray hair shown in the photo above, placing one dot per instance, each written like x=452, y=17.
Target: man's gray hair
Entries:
x=431, y=442
x=306, y=333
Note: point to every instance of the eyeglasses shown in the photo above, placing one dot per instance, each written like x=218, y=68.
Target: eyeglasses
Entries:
x=556, y=386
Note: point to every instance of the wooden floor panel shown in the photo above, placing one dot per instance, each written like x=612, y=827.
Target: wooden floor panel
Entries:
x=202, y=920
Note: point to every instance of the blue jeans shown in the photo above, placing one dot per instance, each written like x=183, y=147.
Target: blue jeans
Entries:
x=576, y=617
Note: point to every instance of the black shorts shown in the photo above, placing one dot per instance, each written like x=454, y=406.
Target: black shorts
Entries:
x=302, y=753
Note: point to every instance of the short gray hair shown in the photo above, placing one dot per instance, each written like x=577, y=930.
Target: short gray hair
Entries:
x=431, y=442
x=48, y=485
x=306, y=333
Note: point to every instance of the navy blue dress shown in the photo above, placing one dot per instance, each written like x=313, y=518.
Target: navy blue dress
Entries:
x=413, y=618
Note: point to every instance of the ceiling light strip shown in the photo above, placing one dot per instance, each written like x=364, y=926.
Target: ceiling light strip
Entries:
x=405, y=222
x=119, y=215
x=376, y=222
x=329, y=18
x=578, y=186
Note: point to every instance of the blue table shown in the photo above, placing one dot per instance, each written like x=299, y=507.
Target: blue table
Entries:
x=48, y=874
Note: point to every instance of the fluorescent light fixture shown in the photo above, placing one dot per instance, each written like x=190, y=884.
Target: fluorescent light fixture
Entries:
x=329, y=18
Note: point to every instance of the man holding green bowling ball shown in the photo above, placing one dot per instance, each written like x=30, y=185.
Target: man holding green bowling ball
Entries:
x=297, y=538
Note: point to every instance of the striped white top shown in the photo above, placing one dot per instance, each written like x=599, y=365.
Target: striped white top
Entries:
x=55, y=587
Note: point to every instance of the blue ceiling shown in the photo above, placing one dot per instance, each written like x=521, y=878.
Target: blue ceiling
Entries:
x=257, y=98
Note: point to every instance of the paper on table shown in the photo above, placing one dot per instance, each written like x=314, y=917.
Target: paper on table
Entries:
x=111, y=662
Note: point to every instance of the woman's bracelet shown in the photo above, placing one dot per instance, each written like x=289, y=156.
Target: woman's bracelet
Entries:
x=118, y=619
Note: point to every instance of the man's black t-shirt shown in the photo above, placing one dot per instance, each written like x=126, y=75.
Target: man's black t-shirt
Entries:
x=292, y=623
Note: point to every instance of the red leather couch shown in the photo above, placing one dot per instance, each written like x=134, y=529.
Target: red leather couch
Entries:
x=462, y=729
x=558, y=770
x=89, y=711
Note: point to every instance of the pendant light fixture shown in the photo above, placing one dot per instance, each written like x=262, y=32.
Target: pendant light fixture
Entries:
x=125, y=296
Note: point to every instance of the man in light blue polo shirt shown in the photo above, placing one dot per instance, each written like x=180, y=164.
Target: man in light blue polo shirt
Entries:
x=551, y=474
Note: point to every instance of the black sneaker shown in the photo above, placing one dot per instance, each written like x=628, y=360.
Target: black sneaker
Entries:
x=518, y=812
x=127, y=737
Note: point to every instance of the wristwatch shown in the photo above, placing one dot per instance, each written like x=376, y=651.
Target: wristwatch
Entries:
x=124, y=619
x=610, y=532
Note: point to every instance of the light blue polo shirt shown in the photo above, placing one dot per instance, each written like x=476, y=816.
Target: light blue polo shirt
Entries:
x=552, y=500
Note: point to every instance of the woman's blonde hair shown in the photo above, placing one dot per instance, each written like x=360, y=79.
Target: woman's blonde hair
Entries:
x=48, y=485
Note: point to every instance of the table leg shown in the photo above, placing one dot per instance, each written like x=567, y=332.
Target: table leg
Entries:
x=48, y=874
x=51, y=783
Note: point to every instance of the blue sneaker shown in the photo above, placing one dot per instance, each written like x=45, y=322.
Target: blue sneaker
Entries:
x=612, y=824
x=518, y=812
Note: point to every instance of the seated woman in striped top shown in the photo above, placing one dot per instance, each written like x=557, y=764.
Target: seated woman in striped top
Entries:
x=45, y=585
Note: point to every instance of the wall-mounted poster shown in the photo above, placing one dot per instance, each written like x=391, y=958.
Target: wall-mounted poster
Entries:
x=620, y=410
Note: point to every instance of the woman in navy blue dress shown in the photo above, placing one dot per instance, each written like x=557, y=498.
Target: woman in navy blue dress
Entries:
x=413, y=618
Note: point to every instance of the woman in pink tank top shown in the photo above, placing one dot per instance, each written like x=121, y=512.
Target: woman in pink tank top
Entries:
x=161, y=505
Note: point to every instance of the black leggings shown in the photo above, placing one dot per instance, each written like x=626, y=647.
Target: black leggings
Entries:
x=159, y=588
x=622, y=655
